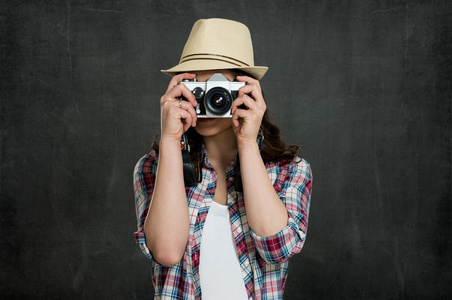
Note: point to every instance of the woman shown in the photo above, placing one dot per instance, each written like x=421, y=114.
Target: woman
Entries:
x=215, y=240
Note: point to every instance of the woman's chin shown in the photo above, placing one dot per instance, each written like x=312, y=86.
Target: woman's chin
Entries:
x=212, y=126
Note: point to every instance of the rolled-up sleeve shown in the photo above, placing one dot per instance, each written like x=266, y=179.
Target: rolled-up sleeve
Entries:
x=144, y=181
x=293, y=186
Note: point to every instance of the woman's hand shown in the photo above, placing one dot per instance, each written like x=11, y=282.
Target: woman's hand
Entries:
x=177, y=115
x=246, y=122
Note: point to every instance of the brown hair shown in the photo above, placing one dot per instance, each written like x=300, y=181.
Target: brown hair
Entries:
x=273, y=147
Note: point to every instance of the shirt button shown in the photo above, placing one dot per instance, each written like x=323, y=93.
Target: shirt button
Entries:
x=231, y=178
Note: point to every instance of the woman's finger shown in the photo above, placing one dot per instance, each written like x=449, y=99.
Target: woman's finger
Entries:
x=181, y=90
x=186, y=118
x=249, y=81
x=185, y=105
x=239, y=116
x=179, y=114
x=179, y=78
x=248, y=102
x=172, y=107
x=253, y=89
x=177, y=90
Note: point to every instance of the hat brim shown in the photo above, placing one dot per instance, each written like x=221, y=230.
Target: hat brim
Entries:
x=207, y=64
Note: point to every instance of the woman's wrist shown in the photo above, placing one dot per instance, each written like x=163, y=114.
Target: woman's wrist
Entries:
x=169, y=142
x=247, y=146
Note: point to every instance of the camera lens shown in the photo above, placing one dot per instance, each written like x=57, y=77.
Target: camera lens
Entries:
x=218, y=101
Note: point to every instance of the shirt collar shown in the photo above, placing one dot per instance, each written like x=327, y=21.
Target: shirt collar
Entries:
x=205, y=160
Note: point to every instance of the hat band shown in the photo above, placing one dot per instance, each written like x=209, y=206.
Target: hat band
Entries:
x=214, y=57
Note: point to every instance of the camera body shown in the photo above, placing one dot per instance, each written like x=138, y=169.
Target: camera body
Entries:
x=214, y=96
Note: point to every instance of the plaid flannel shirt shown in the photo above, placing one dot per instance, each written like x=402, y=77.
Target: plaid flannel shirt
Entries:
x=263, y=261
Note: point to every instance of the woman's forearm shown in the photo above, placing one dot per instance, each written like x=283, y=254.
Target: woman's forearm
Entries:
x=167, y=222
x=266, y=213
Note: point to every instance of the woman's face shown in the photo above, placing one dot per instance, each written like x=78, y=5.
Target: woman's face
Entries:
x=213, y=126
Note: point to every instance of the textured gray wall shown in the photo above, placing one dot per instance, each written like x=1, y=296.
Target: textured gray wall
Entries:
x=363, y=86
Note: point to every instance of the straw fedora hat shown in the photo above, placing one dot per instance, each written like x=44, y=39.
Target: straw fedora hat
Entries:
x=218, y=44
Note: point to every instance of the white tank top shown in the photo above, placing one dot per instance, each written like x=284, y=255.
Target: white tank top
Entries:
x=219, y=269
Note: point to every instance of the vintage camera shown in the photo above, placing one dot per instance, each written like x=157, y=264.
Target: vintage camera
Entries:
x=215, y=96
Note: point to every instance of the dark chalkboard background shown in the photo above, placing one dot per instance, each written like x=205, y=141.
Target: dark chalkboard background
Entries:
x=363, y=86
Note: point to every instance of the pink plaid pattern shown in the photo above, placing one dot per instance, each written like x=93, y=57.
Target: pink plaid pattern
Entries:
x=264, y=261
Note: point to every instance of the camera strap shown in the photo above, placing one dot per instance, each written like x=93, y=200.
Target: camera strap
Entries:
x=192, y=170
